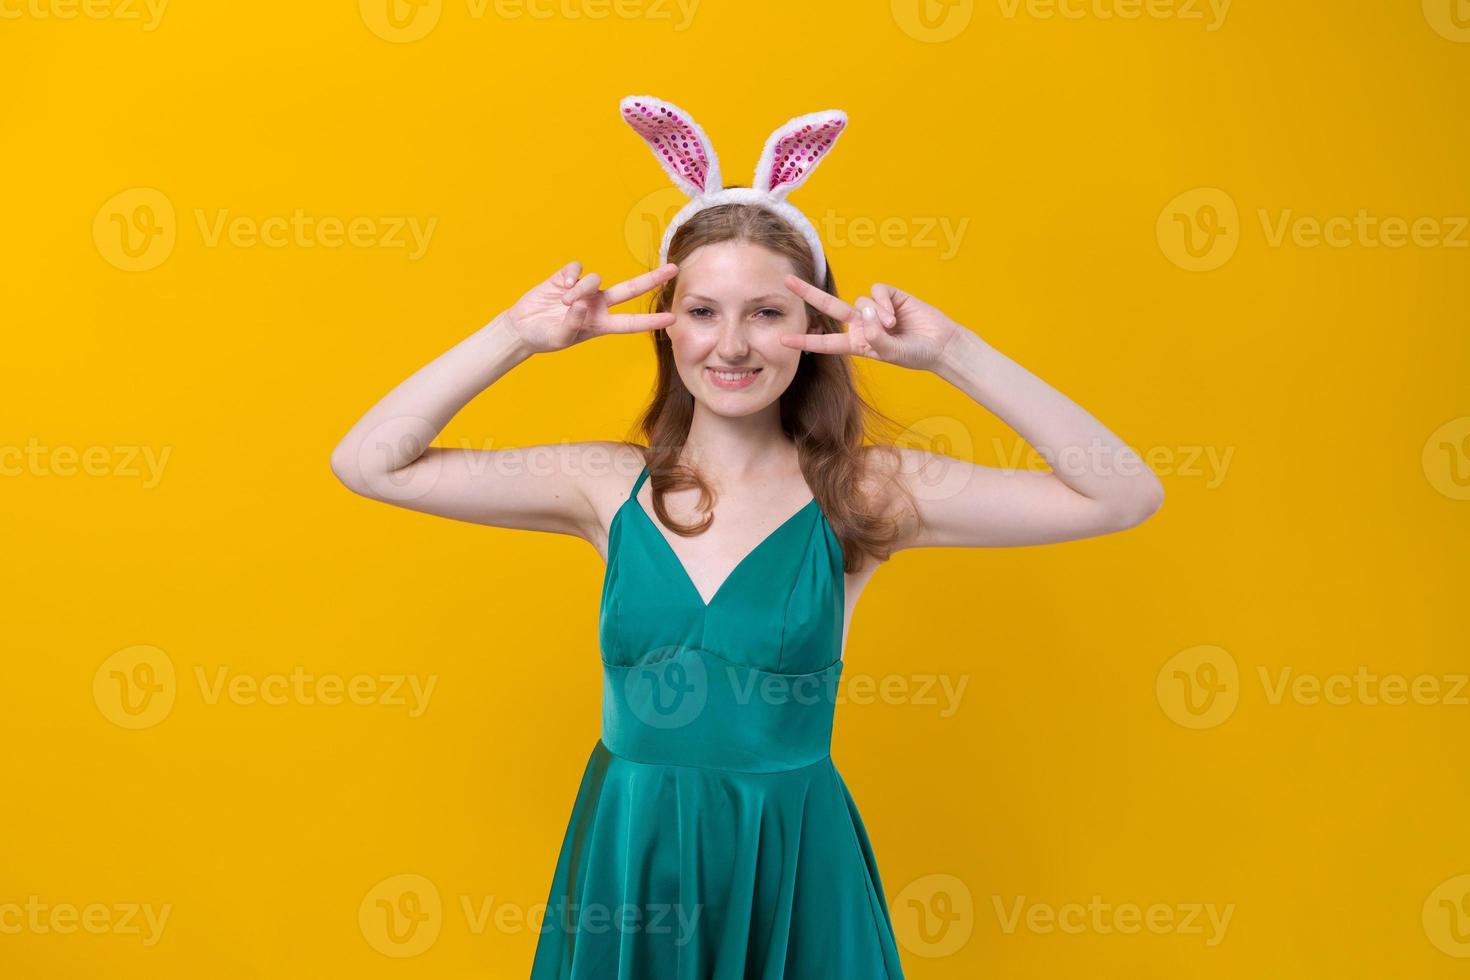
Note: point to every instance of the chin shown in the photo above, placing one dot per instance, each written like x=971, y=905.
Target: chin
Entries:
x=727, y=408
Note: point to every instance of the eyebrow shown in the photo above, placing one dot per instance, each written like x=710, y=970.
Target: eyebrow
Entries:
x=759, y=299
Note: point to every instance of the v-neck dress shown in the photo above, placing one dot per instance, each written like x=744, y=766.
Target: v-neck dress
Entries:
x=712, y=838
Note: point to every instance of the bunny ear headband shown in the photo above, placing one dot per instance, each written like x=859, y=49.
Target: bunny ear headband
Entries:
x=791, y=154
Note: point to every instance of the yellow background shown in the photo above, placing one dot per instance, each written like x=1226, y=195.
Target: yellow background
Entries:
x=1327, y=536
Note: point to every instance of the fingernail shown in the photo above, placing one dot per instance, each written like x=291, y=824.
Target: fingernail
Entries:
x=868, y=313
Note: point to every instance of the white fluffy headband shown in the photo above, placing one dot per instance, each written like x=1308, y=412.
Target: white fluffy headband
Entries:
x=791, y=154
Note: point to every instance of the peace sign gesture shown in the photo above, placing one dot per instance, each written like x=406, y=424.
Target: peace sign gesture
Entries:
x=566, y=310
x=889, y=326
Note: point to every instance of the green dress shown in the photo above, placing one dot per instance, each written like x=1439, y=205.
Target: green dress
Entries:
x=711, y=837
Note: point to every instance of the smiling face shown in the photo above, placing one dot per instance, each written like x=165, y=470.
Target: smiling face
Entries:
x=732, y=306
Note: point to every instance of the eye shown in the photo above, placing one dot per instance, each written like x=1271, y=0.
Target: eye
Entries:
x=704, y=313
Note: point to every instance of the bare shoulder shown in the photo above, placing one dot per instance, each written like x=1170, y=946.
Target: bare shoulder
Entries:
x=609, y=468
x=885, y=485
x=890, y=475
x=881, y=486
x=899, y=479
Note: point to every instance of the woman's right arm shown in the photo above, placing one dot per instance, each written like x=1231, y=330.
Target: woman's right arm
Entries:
x=387, y=455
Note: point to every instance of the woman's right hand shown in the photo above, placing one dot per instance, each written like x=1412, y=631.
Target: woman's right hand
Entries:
x=569, y=308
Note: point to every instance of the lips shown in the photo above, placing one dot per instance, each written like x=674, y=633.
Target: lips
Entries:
x=732, y=379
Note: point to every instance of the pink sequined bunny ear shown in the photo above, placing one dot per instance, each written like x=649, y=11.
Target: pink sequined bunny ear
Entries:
x=678, y=142
x=794, y=150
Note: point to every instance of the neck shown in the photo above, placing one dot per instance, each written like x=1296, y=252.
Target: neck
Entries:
x=739, y=449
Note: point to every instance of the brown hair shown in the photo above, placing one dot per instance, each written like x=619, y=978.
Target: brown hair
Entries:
x=821, y=410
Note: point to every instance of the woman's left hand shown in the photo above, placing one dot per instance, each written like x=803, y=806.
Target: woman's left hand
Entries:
x=889, y=326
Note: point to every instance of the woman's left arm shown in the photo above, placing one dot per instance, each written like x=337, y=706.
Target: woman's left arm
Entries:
x=1097, y=484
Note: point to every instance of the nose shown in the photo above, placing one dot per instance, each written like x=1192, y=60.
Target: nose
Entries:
x=732, y=343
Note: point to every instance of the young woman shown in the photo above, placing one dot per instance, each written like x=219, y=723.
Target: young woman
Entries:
x=712, y=838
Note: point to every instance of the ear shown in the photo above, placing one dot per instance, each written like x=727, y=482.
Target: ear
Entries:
x=793, y=151
x=677, y=141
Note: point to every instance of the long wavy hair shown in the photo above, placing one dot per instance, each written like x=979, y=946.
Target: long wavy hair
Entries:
x=822, y=410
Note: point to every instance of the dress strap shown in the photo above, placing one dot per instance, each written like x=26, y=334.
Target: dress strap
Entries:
x=642, y=475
